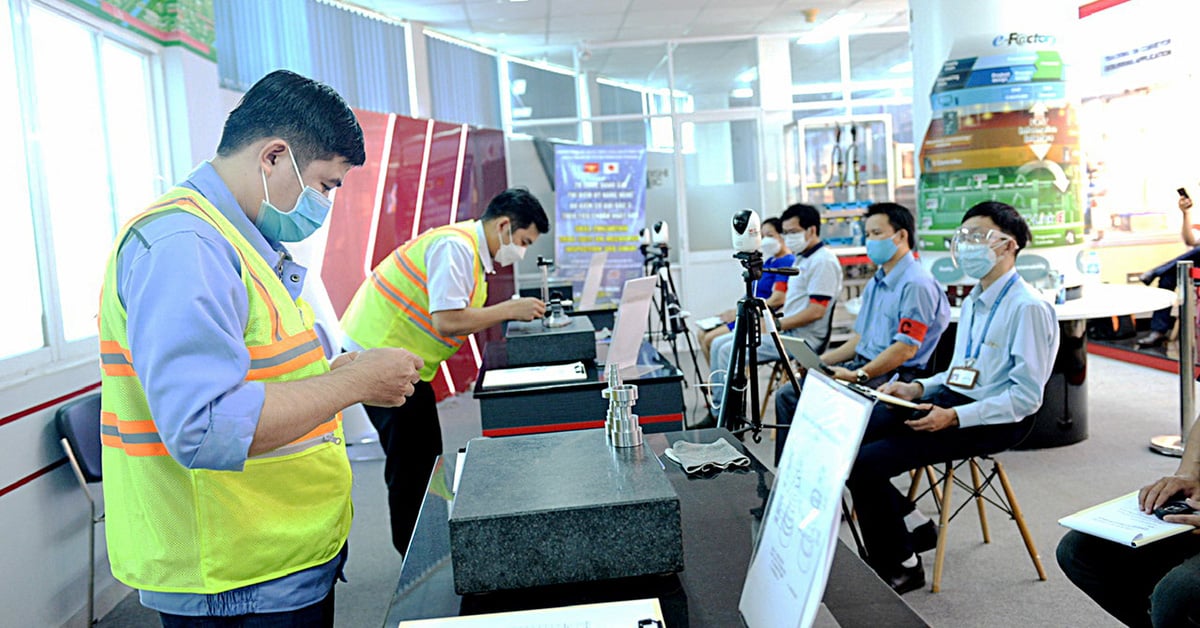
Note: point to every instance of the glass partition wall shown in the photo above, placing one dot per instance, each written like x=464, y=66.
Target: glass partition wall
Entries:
x=713, y=114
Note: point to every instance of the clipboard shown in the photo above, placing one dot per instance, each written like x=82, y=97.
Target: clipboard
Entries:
x=891, y=400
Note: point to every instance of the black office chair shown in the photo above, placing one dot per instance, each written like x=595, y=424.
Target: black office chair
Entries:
x=79, y=423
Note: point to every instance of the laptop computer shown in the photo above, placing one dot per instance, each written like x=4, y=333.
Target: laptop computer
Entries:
x=591, y=282
x=804, y=354
x=632, y=317
x=810, y=360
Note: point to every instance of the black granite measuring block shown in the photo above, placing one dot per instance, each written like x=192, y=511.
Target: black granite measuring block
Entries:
x=560, y=508
x=534, y=343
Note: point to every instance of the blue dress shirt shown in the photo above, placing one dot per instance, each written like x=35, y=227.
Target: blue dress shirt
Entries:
x=906, y=305
x=179, y=281
x=1016, y=356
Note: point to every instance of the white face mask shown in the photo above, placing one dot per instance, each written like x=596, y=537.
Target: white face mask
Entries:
x=508, y=253
x=797, y=242
x=771, y=246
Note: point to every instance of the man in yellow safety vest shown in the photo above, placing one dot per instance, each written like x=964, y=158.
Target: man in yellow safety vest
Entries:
x=428, y=296
x=226, y=481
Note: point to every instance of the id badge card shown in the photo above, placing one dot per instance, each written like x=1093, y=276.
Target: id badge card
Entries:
x=962, y=377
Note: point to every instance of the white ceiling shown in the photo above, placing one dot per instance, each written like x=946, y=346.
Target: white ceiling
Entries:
x=554, y=30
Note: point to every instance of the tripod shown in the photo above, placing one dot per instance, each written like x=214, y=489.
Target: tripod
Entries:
x=671, y=317
x=743, y=362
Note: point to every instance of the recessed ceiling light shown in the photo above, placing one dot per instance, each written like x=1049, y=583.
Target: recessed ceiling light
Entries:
x=904, y=67
x=742, y=92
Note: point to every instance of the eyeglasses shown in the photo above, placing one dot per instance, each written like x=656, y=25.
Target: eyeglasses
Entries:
x=968, y=235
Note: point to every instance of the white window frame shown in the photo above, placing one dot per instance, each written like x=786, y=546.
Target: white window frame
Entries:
x=57, y=354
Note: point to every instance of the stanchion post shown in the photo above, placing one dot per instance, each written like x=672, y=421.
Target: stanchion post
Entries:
x=1172, y=444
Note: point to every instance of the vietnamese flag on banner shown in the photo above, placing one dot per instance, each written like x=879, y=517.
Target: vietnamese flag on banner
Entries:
x=591, y=167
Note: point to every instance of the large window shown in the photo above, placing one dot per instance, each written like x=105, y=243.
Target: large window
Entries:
x=85, y=160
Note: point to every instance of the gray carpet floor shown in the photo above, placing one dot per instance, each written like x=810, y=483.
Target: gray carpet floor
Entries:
x=983, y=585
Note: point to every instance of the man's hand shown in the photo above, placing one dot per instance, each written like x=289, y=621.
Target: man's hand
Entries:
x=1192, y=519
x=727, y=316
x=387, y=375
x=1154, y=495
x=343, y=360
x=1185, y=204
x=938, y=419
x=525, y=309
x=844, y=374
x=903, y=390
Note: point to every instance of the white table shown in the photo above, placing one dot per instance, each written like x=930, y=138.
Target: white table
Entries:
x=1062, y=419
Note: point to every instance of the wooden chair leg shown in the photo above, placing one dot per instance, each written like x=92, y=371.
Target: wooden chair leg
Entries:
x=979, y=502
x=914, y=484
x=940, y=556
x=1020, y=519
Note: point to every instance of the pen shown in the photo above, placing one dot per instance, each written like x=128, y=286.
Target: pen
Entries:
x=895, y=376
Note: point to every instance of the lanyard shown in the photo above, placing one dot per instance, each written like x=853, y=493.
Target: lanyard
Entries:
x=971, y=357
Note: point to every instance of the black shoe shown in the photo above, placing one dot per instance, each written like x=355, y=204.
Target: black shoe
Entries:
x=906, y=579
x=925, y=537
x=1152, y=339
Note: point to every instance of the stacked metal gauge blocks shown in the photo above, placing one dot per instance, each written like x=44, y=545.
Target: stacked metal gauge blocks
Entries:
x=621, y=426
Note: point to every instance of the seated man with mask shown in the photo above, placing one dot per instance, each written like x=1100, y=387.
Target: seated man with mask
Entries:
x=904, y=312
x=771, y=287
x=1003, y=353
x=806, y=312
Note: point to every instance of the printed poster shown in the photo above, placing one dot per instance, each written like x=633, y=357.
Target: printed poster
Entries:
x=600, y=206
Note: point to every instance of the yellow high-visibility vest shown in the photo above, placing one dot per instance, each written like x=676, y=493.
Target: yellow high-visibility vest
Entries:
x=391, y=308
x=174, y=529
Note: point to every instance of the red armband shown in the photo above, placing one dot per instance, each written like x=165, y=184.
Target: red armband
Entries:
x=819, y=300
x=913, y=329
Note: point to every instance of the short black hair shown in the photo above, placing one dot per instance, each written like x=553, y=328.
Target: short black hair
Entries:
x=899, y=217
x=310, y=116
x=806, y=214
x=521, y=207
x=775, y=223
x=1005, y=217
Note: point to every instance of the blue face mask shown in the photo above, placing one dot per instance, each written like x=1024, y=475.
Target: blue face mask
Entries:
x=305, y=218
x=881, y=251
x=976, y=260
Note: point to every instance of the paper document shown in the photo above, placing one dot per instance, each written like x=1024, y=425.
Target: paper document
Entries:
x=591, y=282
x=1121, y=521
x=706, y=324
x=533, y=375
x=630, y=614
x=794, y=551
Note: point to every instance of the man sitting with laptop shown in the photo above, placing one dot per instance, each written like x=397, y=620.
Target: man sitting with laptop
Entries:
x=806, y=310
x=904, y=312
x=1003, y=353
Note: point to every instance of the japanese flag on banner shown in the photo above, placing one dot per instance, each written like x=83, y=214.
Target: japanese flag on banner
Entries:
x=611, y=167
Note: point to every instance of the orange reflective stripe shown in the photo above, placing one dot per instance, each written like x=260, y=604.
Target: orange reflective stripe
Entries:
x=283, y=368
x=263, y=352
x=115, y=360
x=418, y=315
x=406, y=268
x=327, y=427
x=136, y=438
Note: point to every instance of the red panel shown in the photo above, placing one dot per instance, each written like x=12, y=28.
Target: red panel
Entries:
x=401, y=187
x=1092, y=8
x=419, y=174
x=350, y=220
